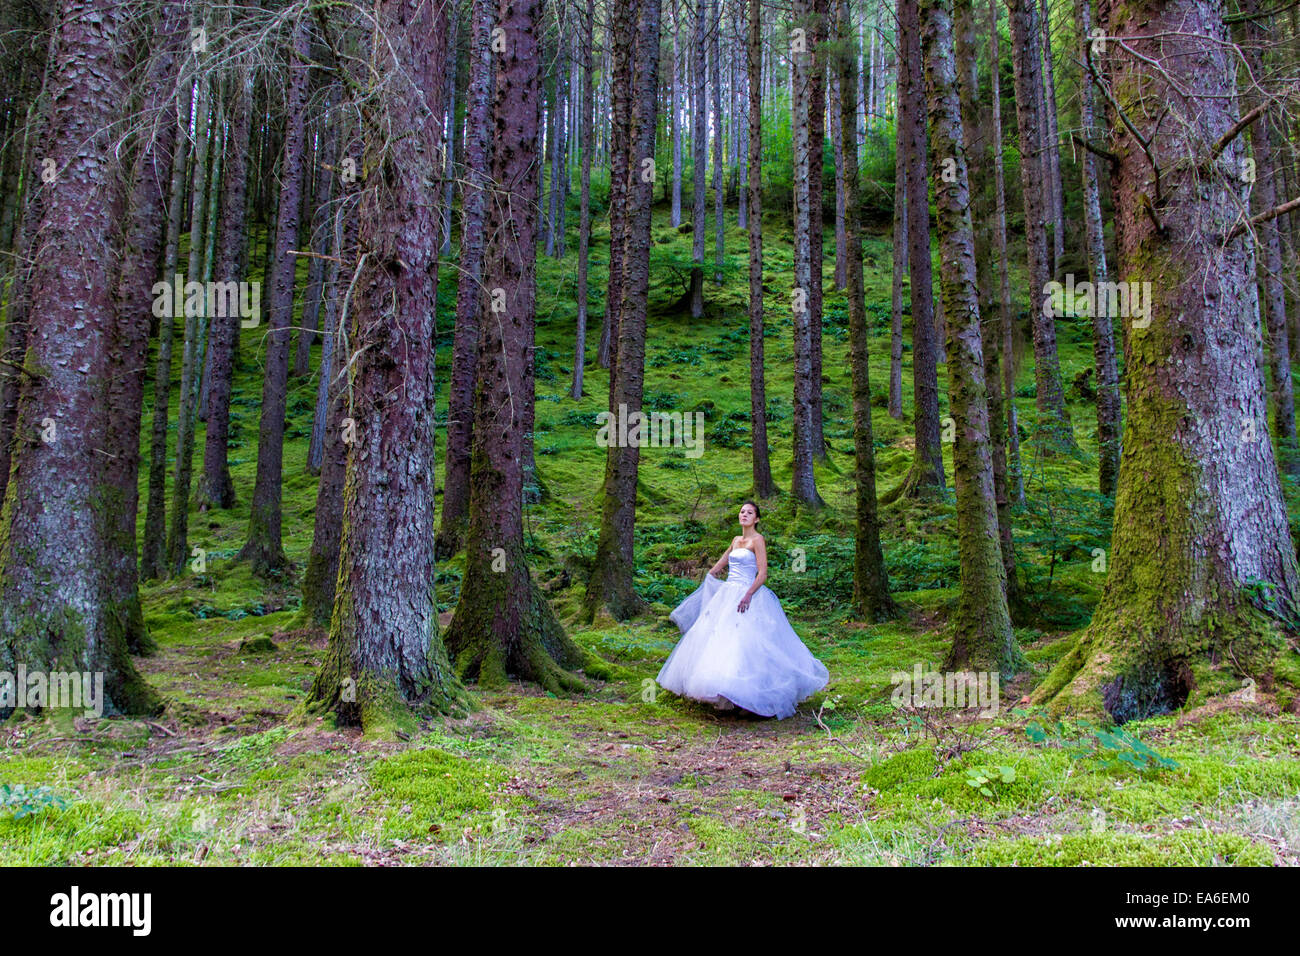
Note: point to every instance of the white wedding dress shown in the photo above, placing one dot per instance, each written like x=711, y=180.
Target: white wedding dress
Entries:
x=753, y=660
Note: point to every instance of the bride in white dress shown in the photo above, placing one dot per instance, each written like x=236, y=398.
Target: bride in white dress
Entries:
x=737, y=648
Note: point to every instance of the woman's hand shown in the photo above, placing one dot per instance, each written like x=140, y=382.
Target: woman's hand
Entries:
x=743, y=606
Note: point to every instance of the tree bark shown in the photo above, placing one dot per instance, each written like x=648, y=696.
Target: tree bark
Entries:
x=925, y=479
x=764, y=486
x=144, y=236
x=981, y=626
x=870, y=579
x=805, y=299
x=584, y=212
x=611, y=584
x=900, y=256
x=58, y=527
x=503, y=624
x=469, y=291
x=384, y=657
x=1015, y=477
x=1202, y=574
x=700, y=152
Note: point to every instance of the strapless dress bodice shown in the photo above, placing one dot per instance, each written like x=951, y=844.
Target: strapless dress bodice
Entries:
x=742, y=565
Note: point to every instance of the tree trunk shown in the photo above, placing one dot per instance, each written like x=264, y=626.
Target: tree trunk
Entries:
x=178, y=551
x=900, y=257
x=144, y=236
x=503, y=624
x=1052, y=144
x=807, y=262
x=263, y=547
x=963, y=23
x=1202, y=573
x=153, y=551
x=584, y=212
x=318, y=241
x=611, y=586
x=764, y=487
x=870, y=579
x=837, y=133
x=700, y=151
x=1265, y=140
x=58, y=527
x=926, y=478
x=677, y=115
x=18, y=309
x=215, y=489
x=384, y=655
x=1015, y=477
x=715, y=81
x=981, y=626
x=816, y=142
x=320, y=577
x=1103, y=330
x=469, y=291
x=1054, y=431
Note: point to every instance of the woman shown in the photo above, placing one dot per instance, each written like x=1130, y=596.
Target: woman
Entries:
x=737, y=648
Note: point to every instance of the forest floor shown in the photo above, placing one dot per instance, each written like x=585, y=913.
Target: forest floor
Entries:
x=624, y=774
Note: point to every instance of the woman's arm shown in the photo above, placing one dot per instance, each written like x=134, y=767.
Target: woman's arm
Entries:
x=722, y=561
x=760, y=554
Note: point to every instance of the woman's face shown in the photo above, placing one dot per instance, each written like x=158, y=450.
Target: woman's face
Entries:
x=748, y=516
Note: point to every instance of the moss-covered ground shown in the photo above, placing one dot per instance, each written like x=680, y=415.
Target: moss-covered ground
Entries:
x=623, y=774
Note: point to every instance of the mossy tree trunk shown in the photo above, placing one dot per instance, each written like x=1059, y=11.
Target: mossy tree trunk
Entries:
x=320, y=576
x=817, y=35
x=60, y=519
x=384, y=656
x=1006, y=328
x=975, y=141
x=469, y=292
x=611, y=583
x=1202, y=573
x=981, y=626
x=870, y=579
x=503, y=625
x=144, y=235
x=764, y=486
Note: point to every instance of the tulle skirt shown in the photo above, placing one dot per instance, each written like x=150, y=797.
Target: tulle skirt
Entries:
x=753, y=660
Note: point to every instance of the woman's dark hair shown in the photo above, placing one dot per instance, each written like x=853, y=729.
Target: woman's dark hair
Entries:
x=757, y=514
